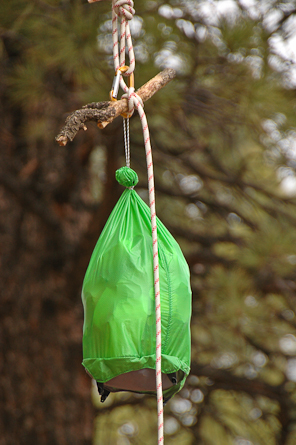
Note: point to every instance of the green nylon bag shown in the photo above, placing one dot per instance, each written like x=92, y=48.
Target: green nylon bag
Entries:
x=119, y=306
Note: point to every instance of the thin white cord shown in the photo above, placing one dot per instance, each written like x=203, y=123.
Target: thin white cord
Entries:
x=127, y=150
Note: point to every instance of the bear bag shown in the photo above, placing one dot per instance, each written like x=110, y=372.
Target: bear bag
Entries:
x=119, y=307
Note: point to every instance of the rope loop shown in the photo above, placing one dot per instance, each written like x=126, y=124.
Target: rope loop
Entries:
x=124, y=8
x=133, y=101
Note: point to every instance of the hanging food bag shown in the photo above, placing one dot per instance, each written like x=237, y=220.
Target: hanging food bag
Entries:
x=119, y=306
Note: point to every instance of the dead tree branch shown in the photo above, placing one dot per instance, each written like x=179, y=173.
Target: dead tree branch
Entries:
x=105, y=112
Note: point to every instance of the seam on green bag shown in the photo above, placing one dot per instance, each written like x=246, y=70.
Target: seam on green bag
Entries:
x=162, y=254
x=181, y=365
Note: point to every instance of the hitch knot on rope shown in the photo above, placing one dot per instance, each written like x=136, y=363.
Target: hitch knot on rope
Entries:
x=124, y=8
x=133, y=101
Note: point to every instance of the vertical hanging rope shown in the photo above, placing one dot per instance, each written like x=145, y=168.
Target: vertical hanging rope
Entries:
x=126, y=142
x=155, y=270
x=125, y=10
x=136, y=102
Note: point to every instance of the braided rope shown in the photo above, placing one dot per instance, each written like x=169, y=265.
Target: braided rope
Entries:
x=138, y=104
x=126, y=142
x=124, y=9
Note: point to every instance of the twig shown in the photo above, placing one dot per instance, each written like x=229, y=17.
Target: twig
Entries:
x=105, y=112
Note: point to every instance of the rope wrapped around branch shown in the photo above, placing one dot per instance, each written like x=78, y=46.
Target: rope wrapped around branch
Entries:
x=105, y=112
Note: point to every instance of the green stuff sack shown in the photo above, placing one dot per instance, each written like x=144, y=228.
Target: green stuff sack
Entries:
x=119, y=306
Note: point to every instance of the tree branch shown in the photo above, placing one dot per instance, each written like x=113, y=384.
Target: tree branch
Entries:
x=227, y=380
x=105, y=112
x=204, y=239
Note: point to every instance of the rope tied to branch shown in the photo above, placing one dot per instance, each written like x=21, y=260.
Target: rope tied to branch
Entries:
x=125, y=10
x=133, y=100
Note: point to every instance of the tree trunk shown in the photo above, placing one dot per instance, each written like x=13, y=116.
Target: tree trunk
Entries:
x=46, y=244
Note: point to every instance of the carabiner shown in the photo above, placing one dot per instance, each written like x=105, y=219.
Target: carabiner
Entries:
x=116, y=82
x=131, y=84
x=115, y=86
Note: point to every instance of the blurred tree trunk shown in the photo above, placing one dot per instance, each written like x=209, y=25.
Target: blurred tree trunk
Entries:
x=49, y=225
x=45, y=391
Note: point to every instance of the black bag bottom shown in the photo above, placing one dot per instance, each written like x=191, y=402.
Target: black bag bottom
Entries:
x=142, y=381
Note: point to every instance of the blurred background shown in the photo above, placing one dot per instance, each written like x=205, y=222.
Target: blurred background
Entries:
x=224, y=140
